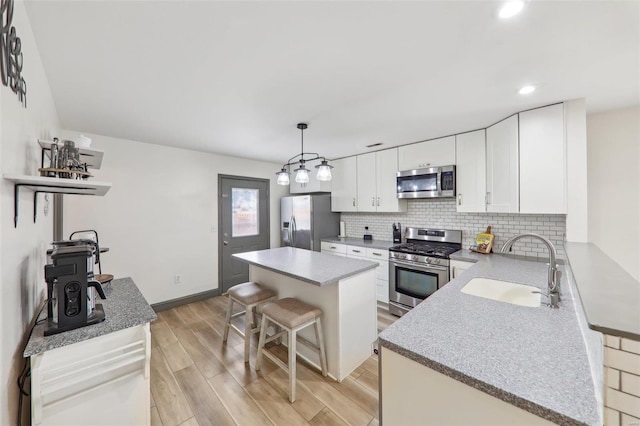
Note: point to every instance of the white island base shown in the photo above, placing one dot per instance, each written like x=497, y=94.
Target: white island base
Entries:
x=349, y=319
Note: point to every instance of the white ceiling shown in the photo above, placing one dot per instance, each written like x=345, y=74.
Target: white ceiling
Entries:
x=235, y=77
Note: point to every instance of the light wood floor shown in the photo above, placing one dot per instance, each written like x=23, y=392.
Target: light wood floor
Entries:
x=196, y=379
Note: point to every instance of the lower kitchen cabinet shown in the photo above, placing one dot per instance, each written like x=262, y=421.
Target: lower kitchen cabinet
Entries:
x=382, y=272
x=409, y=390
x=100, y=381
x=333, y=248
x=380, y=256
x=457, y=267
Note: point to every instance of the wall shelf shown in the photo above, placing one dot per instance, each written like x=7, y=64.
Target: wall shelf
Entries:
x=51, y=185
x=93, y=157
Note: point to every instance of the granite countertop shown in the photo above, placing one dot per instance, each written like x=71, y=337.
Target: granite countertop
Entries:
x=377, y=244
x=533, y=358
x=467, y=255
x=305, y=265
x=604, y=288
x=124, y=307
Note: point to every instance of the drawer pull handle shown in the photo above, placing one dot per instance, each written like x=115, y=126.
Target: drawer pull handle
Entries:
x=356, y=251
x=377, y=254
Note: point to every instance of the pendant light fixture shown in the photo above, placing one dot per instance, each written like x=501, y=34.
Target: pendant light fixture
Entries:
x=302, y=173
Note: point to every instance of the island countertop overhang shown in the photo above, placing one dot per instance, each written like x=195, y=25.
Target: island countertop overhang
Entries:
x=312, y=267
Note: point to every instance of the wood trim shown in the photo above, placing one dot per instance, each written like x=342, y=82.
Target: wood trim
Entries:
x=169, y=304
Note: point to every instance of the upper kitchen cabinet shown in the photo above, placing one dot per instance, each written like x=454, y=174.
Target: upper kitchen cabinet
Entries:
x=471, y=166
x=367, y=182
x=502, y=166
x=433, y=153
x=344, y=189
x=314, y=184
x=543, y=161
x=377, y=182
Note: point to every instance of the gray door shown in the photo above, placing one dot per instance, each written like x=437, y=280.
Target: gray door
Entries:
x=243, y=223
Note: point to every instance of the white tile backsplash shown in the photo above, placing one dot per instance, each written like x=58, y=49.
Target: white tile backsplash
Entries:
x=442, y=214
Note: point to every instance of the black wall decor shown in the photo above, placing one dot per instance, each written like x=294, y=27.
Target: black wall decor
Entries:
x=11, y=53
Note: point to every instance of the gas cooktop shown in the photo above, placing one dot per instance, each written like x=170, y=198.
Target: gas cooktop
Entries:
x=433, y=250
x=438, y=243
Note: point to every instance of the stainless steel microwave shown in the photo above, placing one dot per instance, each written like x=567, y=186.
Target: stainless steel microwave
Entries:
x=434, y=182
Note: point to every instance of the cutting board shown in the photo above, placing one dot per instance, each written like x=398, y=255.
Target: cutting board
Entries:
x=484, y=242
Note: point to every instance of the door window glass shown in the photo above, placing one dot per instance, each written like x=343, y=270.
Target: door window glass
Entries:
x=245, y=207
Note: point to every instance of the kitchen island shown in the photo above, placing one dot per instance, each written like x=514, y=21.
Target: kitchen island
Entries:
x=345, y=290
x=470, y=360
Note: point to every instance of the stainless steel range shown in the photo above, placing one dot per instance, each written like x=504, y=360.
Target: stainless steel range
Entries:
x=418, y=268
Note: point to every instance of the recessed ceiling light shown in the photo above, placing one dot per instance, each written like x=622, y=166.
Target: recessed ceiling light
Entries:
x=511, y=8
x=527, y=90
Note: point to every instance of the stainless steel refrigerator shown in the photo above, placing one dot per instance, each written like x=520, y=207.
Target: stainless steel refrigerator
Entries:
x=306, y=219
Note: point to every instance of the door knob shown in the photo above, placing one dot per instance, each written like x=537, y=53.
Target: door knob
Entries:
x=226, y=243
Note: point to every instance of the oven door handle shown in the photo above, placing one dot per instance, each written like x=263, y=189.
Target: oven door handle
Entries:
x=422, y=267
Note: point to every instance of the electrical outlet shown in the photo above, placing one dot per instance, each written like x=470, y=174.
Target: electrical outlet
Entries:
x=177, y=279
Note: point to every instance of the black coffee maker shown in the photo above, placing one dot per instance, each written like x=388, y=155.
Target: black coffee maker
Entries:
x=70, y=287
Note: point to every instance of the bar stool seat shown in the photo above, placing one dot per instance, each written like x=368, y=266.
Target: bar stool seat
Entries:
x=291, y=315
x=250, y=295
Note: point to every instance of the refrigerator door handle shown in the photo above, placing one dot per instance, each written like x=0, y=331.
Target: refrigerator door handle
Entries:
x=293, y=231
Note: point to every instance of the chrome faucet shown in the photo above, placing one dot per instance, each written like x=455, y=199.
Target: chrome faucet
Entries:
x=553, y=286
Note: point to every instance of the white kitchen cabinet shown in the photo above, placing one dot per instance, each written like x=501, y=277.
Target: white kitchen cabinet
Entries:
x=471, y=171
x=502, y=166
x=314, y=185
x=432, y=153
x=543, y=161
x=381, y=257
x=333, y=248
x=367, y=182
x=100, y=381
x=457, y=267
x=409, y=390
x=344, y=189
x=387, y=192
x=377, y=182
x=356, y=251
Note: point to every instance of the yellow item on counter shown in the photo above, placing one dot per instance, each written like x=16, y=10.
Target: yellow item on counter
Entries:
x=484, y=242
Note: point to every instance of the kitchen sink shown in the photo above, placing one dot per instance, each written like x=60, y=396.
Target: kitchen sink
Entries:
x=503, y=291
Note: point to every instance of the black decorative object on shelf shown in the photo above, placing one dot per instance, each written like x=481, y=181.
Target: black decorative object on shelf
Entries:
x=11, y=53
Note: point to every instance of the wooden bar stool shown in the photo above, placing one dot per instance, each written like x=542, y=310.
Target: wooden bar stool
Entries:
x=291, y=315
x=250, y=295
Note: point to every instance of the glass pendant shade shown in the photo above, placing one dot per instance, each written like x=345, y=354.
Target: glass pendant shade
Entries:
x=324, y=171
x=302, y=174
x=283, y=177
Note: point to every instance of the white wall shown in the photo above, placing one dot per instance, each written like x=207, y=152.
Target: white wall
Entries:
x=157, y=218
x=614, y=185
x=577, y=194
x=22, y=250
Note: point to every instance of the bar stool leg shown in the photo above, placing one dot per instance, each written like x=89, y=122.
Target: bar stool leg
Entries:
x=228, y=320
x=263, y=332
x=320, y=340
x=248, y=326
x=292, y=365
